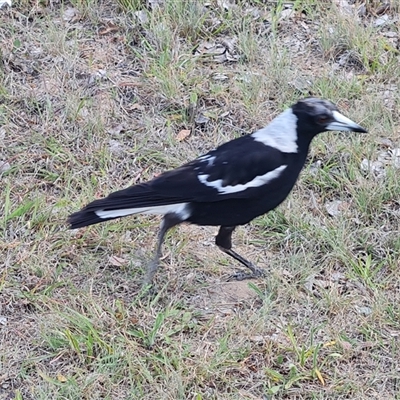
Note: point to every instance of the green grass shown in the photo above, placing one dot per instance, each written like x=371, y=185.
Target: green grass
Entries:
x=92, y=101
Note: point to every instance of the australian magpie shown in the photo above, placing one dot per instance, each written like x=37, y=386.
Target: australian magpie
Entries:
x=230, y=185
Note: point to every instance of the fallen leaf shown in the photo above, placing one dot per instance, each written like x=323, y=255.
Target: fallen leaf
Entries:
x=346, y=346
x=108, y=29
x=336, y=207
x=134, y=320
x=61, y=378
x=182, y=135
x=319, y=376
x=117, y=261
x=175, y=117
x=132, y=83
x=137, y=106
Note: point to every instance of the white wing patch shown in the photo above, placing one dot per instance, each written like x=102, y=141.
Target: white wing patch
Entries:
x=280, y=133
x=256, y=182
x=210, y=159
x=181, y=209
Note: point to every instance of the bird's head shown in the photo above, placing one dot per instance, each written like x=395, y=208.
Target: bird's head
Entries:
x=297, y=125
x=316, y=115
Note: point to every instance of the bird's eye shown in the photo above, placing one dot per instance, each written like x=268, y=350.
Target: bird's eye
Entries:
x=323, y=119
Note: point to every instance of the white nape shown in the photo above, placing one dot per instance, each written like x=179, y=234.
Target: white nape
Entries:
x=280, y=133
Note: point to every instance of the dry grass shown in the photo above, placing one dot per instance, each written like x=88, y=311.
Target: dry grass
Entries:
x=92, y=98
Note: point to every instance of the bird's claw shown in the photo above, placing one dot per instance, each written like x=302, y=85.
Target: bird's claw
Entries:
x=241, y=276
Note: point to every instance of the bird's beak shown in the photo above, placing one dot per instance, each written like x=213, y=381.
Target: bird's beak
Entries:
x=342, y=123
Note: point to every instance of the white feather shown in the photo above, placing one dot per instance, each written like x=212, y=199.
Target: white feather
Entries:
x=210, y=159
x=280, y=133
x=257, y=181
x=181, y=209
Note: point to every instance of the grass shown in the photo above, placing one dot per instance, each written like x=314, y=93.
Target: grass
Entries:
x=93, y=96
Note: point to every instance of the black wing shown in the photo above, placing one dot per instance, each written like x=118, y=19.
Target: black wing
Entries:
x=222, y=173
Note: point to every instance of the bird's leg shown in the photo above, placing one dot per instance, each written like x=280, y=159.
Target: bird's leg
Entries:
x=169, y=221
x=224, y=242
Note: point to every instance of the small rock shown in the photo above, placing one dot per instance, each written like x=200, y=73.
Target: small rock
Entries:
x=364, y=310
x=309, y=283
x=226, y=5
x=385, y=142
x=362, y=10
x=4, y=167
x=335, y=207
x=315, y=167
x=396, y=157
x=345, y=7
x=302, y=84
x=101, y=73
x=220, y=77
x=69, y=13
x=142, y=16
x=116, y=147
x=116, y=130
x=287, y=13
x=201, y=119
x=390, y=34
x=257, y=339
x=155, y=3
x=337, y=276
x=375, y=167
x=381, y=20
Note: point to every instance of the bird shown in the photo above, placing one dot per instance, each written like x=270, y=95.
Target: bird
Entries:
x=228, y=186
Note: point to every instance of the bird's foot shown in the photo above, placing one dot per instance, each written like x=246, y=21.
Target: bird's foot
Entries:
x=241, y=276
x=148, y=286
x=148, y=290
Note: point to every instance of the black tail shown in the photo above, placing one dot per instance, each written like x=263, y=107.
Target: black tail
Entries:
x=84, y=218
x=138, y=196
